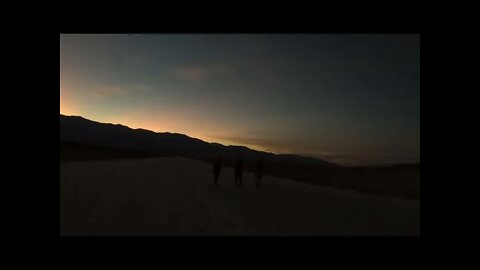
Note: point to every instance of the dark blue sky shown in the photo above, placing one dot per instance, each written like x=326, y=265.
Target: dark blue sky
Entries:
x=352, y=99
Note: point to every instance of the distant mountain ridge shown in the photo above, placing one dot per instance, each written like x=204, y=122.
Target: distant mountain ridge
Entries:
x=76, y=129
x=83, y=139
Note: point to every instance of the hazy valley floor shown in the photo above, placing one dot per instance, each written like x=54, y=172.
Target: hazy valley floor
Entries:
x=176, y=196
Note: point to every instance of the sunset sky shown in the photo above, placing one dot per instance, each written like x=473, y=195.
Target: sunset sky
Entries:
x=351, y=99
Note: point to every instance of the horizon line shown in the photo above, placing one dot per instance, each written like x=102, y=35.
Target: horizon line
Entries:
x=258, y=150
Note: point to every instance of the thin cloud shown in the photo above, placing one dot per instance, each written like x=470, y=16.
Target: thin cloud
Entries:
x=192, y=74
x=105, y=90
x=201, y=73
x=102, y=90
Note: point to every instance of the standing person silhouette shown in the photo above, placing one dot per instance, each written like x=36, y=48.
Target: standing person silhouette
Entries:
x=238, y=172
x=259, y=172
x=217, y=167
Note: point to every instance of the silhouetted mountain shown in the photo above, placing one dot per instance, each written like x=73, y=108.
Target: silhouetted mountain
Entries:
x=83, y=139
x=76, y=129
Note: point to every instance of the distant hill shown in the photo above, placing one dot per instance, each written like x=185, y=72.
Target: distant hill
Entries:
x=83, y=139
x=76, y=129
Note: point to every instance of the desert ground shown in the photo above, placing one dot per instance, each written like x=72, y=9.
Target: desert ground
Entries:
x=175, y=196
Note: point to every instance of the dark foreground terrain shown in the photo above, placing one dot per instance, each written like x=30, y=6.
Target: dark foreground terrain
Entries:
x=176, y=196
x=400, y=181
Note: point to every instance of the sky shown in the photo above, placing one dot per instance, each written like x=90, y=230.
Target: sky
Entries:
x=353, y=99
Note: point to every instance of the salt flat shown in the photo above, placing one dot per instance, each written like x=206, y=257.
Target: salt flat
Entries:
x=176, y=196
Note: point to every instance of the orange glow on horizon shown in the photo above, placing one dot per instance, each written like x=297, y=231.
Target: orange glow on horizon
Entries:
x=174, y=126
x=180, y=121
x=170, y=126
x=67, y=107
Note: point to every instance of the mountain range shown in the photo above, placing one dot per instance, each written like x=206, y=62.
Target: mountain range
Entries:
x=76, y=129
x=83, y=139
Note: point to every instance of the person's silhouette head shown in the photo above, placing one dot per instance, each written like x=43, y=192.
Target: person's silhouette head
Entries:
x=239, y=162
